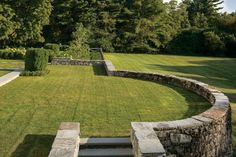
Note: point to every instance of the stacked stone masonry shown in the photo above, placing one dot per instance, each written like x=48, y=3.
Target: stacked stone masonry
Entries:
x=205, y=135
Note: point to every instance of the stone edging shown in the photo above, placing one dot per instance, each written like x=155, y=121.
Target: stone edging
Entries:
x=10, y=76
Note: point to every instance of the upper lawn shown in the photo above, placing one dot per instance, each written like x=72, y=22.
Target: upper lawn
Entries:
x=219, y=72
x=32, y=108
x=3, y=72
x=11, y=63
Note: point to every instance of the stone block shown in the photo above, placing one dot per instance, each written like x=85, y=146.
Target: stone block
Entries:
x=67, y=134
x=177, y=139
x=66, y=152
x=69, y=126
x=64, y=143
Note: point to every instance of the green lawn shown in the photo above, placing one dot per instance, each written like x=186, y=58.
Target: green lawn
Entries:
x=3, y=72
x=219, y=72
x=32, y=108
x=11, y=63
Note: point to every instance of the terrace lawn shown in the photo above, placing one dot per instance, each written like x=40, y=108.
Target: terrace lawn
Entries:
x=219, y=72
x=32, y=108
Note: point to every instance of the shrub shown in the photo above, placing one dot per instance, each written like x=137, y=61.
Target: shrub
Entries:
x=34, y=73
x=188, y=42
x=51, y=46
x=12, y=53
x=64, y=47
x=213, y=44
x=53, y=49
x=36, y=59
x=230, y=44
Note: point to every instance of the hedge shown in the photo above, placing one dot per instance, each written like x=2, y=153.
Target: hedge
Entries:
x=36, y=59
x=12, y=53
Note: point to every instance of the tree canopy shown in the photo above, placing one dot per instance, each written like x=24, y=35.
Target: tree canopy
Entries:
x=128, y=26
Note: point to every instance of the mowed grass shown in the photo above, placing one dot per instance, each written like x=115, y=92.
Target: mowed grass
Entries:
x=11, y=63
x=218, y=72
x=32, y=108
x=3, y=72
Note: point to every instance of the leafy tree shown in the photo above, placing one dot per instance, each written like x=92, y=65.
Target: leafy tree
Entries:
x=202, y=10
x=172, y=22
x=213, y=44
x=32, y=16
x=79, y=44
x=137, y=24
x=7, y=24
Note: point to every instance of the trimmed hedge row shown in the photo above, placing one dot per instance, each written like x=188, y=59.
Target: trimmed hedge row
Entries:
x=12, y=53
x=36, y=59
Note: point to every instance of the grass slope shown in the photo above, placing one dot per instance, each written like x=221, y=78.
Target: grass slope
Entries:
x=31, y=108
x=219, y=72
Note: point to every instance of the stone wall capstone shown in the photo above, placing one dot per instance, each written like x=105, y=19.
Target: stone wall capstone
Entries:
x=66, y=143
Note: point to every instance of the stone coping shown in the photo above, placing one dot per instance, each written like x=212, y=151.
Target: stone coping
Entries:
x=66, y=143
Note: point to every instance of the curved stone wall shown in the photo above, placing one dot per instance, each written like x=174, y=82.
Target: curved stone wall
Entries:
x=205, y=135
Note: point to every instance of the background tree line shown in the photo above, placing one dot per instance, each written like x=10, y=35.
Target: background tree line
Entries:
x=128, y=26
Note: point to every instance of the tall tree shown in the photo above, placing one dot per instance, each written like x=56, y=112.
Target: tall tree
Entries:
x=32, y=16
x=202, y=10
x=136, y=26
x=7, y=24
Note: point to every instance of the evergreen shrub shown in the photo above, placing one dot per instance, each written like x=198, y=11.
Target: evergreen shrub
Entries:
x=36, y=59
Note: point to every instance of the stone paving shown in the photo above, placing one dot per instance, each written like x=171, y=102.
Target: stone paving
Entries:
x=10, y=76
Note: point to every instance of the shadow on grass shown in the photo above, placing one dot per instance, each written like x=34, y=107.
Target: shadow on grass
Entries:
x=34, y=146
x=99, y=70
x=219, y=73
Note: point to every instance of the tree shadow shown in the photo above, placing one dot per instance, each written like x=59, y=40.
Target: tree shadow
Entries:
x=99, y=70
x=34, y=146
x=220, y=73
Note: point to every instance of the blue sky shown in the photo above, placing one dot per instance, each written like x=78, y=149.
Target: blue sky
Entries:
x=229, y=5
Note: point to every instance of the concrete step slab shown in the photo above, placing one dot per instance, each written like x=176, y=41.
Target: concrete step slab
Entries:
x=111, y=152
x=105, y=142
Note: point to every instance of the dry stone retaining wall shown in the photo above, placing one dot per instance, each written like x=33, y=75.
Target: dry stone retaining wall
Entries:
x=68, y=61
x=205, y=135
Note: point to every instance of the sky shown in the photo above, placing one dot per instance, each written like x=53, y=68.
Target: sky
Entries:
x=229, y=5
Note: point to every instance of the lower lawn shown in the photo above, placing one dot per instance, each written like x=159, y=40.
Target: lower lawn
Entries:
x=3, y=72
x=219, y=72
x=32, y=108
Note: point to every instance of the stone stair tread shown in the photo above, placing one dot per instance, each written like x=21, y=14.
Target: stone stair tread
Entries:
x=109, y=152
x=105, y=141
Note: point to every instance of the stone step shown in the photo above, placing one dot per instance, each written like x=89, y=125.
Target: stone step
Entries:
x=111, y=142
x=109, y=152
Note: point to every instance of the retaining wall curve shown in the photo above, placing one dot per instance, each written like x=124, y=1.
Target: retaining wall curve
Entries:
x=205, y=135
